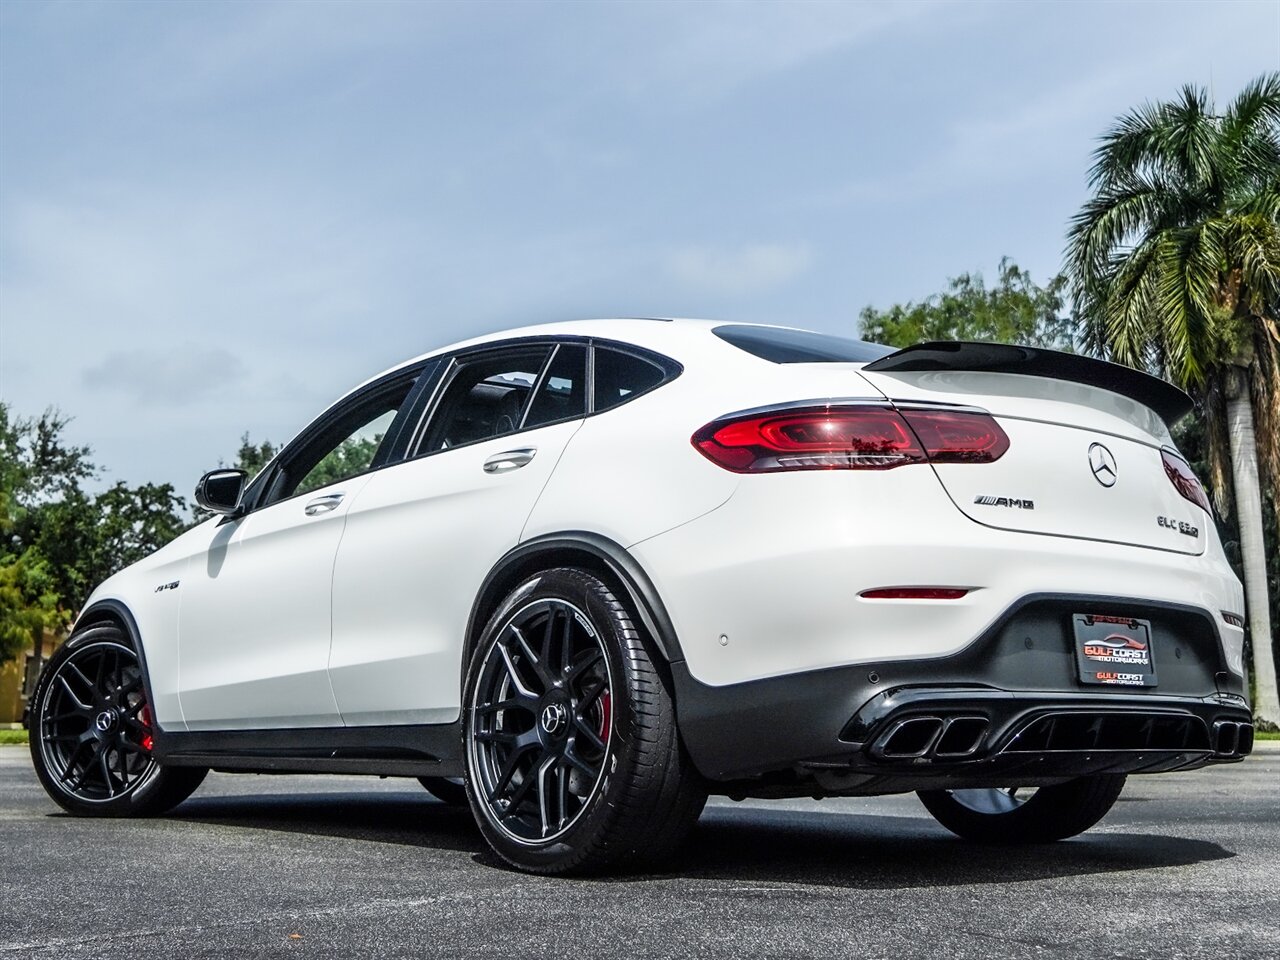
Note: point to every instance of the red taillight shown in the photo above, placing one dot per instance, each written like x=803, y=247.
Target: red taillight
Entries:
x=850, y=438
x=1184, y=481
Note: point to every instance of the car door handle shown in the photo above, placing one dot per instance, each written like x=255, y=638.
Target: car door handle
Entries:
x=322, y=504
x=509, y=460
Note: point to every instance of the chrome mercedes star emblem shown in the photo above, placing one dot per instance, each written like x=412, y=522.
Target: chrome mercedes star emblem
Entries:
x=1103, y=464
x=553, y=716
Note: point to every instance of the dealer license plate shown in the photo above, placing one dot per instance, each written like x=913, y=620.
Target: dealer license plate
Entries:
x=1114, y=651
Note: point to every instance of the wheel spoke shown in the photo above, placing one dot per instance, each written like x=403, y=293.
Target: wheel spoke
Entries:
x=518, y=702
x=495, y=736
x=105, y=767
x=583, y=662
x=523, y=745
x=536, y=661
x=79, y=674
x=514, y=674
x=544, y=798
x=566, y=643
x=571, y=755
x=587, y=730
x=562, y=795
x=592, y=695
x=82, y=708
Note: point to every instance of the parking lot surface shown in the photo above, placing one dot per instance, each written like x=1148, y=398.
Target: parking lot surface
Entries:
x=1186, y=865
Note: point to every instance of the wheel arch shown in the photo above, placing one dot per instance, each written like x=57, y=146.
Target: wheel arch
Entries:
x=115, y=611
x=589, y=551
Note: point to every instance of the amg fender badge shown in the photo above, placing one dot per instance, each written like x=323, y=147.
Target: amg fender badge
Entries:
x=1017, y=502
x=171, y=585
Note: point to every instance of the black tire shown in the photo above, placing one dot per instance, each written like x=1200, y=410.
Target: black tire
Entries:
x=446, y=790
x=645, y=796
x=91, y=732
x=1052, y=813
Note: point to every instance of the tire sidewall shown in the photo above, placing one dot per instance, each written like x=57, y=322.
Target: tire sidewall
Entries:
x=593, y=598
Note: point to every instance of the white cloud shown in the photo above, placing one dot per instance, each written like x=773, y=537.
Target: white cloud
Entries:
x=753, y=268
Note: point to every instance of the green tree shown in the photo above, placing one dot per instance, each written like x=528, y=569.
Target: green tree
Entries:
x=252, y=457
x=1015, y=310
x=1175, y=268
x=57, y=542
x=37, y=470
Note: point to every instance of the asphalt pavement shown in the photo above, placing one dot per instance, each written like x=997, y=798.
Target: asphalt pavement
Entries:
x=1186, y=865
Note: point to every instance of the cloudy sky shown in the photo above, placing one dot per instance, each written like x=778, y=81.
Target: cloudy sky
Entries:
x=216, y=217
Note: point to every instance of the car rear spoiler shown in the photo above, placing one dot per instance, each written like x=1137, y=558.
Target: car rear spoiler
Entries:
x=1169, y=403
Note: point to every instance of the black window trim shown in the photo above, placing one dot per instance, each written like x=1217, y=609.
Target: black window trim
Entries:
x=420, y=374
x=431, y=375
x=452, y=364
x=670, y=368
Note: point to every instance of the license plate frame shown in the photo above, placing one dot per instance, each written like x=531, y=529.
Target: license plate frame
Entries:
x=1113, y=651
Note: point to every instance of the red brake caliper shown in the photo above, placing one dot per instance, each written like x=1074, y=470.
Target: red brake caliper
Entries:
x=606, y=715
x=144, y=718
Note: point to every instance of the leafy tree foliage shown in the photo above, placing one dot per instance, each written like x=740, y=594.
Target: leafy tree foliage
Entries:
x=252, y=457
x=350, y=457
x=1015, y=310
x=57, y=541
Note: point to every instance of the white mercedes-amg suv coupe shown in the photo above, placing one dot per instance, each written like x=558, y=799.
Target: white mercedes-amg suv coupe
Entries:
x=580, y=576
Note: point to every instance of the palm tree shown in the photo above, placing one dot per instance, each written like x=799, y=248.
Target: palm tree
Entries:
x=1175, y=265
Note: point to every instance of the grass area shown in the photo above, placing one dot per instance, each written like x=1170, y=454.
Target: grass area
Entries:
x=13, y=736
x=1266, y=735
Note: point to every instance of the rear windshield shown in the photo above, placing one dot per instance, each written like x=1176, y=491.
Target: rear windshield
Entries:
x=799, y=346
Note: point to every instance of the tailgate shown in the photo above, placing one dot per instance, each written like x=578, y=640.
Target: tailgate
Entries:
x=1083, y=461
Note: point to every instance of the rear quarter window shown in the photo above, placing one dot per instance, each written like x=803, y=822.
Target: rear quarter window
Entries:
x=620, y=377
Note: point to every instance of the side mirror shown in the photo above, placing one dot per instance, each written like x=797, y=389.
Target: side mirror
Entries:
x=220, y=490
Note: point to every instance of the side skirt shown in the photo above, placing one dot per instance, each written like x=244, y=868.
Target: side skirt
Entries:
x=426, y=750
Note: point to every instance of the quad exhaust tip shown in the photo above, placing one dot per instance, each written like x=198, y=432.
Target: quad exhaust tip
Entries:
x=1232, y=739
x=942, y=738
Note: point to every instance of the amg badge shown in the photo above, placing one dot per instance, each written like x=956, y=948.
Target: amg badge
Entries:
x=171, y=585
x=1005, y=502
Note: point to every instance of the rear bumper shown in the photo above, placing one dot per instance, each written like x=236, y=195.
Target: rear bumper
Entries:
x=1007, y=709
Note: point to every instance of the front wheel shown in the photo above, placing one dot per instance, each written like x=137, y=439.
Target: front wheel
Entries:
x=91, y=732
x=574, y=762
x=1017, y=815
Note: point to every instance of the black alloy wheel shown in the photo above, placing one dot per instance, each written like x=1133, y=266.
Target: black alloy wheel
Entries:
x=574, y=762
x=92, y=733
x=540, y=720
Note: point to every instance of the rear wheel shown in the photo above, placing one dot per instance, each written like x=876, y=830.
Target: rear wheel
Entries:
x=92, y=729
x=1014, y=815
x=574, y=762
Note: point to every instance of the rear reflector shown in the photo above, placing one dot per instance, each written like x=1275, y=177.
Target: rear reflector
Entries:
x=1184, y=480
x=849, y=438
x=913, y=593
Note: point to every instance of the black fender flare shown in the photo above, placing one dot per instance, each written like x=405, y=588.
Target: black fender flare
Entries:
x=561, y=549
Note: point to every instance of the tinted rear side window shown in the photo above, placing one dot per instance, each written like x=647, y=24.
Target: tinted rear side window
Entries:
x=563, y=394
x=799, y=346
x=621, y=376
